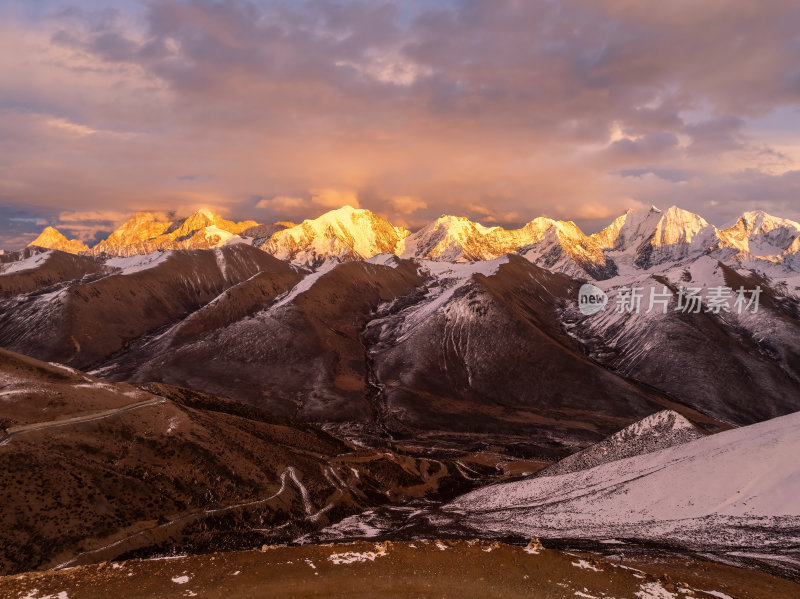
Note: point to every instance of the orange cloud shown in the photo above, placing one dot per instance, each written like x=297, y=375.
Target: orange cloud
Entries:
x=334, y=198
x=408, y=204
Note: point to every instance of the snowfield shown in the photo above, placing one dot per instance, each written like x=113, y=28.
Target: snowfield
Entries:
x=28, y=263
x=138, y=262
x=716, y=490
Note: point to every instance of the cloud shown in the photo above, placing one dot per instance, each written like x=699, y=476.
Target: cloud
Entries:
x=672, y=175
x=282, y=203
x=525, y=107
x=408, y=204
x=109, y=216
x=334, y=198
x=388, y=68
x=69, y=127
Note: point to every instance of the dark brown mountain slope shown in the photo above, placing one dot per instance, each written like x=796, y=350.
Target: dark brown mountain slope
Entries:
x=92, y=470
x=301, y=355
x=458, y=360
x=36, y=268
x=453, y=356
x=494, y=360
x=84, y=323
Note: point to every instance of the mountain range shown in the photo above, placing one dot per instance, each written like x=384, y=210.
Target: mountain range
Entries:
x=457, y=336
x=240, y=383
x=640, y=239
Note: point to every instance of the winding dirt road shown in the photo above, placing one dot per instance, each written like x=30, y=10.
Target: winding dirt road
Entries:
x=38, y=426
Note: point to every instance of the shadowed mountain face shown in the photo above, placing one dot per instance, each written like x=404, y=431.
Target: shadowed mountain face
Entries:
x=35, y=268
x=121, y=470
x=740, y=368
x=493, y=359
x=83, y=322
x=301, y=355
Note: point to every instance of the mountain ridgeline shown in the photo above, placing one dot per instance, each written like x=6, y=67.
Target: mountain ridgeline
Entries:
x=639, y=238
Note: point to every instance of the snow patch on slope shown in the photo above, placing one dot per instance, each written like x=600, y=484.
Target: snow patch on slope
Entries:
x=450, y=277
x=304, y=285
x=137, y=262
x=28, y=263
x=702, y=491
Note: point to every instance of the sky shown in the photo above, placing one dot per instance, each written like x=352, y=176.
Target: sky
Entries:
x=500, y=110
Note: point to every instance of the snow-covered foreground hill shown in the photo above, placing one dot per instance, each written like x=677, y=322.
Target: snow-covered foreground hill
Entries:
x=736, y=491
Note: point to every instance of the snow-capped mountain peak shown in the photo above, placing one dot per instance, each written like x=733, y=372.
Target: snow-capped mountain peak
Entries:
x=760, y=234
x=679, y=226
x=346, y=233
x=206, y=218
x=646, y=238
x=629, y=230
x=51, y=238
x=139, y=227
x=452, y=239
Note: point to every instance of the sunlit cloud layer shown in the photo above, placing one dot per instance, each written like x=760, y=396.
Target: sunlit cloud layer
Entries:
x=500, y=111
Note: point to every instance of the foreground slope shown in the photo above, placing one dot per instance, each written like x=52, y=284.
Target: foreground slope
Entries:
x=735, y=491
x=404, y=570
x=93, y=470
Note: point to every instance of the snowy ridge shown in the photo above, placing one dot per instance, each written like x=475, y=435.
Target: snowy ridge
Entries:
x=32, y=261
x=658, y=431
x=699, y=492
x=303, y=286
